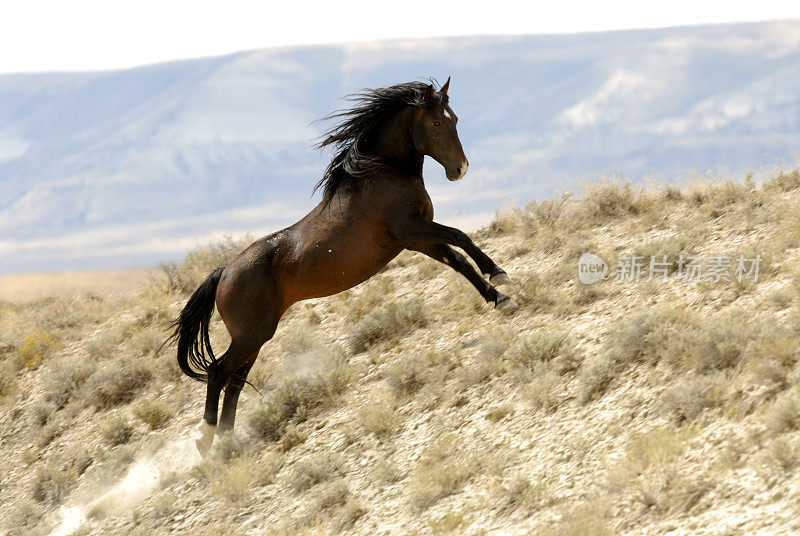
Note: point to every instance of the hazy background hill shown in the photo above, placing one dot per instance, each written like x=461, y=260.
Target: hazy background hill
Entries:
x=125, y=168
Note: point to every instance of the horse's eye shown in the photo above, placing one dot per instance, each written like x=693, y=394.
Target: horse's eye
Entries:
x=436, y=123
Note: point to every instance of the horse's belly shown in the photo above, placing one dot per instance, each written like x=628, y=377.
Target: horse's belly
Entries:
x=330, y=271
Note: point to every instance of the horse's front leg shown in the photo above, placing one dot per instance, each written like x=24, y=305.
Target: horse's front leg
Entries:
x=418, y=229
x=446, y=255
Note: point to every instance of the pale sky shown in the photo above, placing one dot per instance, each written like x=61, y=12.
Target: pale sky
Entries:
x=46, y=35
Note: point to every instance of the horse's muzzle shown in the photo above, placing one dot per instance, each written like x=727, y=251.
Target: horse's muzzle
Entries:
x=459, y=172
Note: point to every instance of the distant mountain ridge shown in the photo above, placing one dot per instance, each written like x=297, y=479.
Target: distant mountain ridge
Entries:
x=129, y=167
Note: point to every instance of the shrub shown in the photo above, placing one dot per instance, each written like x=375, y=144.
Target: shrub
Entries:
x=6, y=378
x=522, y=493
x=670, y=192
x=346, y=515
x=24, y=513
x=117, y=430
x=783, y=454
x=379, y=416
x=596, y=378
x=117, y=383
x=667, y=490
x=603, y=201
x=65, y=379
x=784, y=414
x=153, y=413
x=55, y=479
x=631, y=341
x=548, y=212
x=506, y=221
x=35, y=349
x=686, y=400
x=498, y=413
x=42, y=411
x=723, y=340
x=316, y=468
x=784, y=181
x=410, y=372
x=442, y=468
x=388, y=323
x=291, y=401
x=198, y=263
x=552, y=347
x=297, y=340
x=650, y=450
x=544, y=387
x=234, y=479
x=454, y=522
x=672, y=247
x=332, y=495
x=589, y=518
x=727, y=193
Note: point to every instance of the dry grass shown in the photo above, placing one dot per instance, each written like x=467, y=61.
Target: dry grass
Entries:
x=442, y=469
x=154, y=413
x=64, y=380
x=686, y=400
x=187, y=275
x=410, y=372
x=782, y=455
x=35, y=350
x=589, y=518
x=522, y=493
x=59, y=475
x=380, y=416
x=292, y=400
x=613, y=199
x=314, y=469
x=235, y=479
x=551, y=347
x=452, y=523
x=784, y=414
x=24, y=288
x=783, y=181
x=118, y=383
x=7, y=375
x=388, y=323
x=117, y=430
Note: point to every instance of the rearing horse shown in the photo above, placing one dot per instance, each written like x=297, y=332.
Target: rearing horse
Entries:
x=374, y=205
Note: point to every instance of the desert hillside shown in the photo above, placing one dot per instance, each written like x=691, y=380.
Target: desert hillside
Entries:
x=406, y=406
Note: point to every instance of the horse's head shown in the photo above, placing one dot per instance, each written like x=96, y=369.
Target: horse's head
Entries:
x=434, y=133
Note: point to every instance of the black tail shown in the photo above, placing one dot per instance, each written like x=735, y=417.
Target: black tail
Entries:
x=191, y=329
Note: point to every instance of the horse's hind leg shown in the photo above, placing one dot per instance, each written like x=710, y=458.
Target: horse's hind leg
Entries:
x=238, y=354
x=232, y=390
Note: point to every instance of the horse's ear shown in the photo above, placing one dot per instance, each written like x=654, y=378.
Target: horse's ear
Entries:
x=428, y=97
x=445, y=87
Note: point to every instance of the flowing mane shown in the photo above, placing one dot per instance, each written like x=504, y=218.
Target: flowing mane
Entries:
x=351, y=136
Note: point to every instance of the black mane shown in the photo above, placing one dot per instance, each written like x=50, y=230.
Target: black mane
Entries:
x=350, y=136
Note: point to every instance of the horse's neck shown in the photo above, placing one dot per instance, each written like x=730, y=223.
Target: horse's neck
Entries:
x=395, y=147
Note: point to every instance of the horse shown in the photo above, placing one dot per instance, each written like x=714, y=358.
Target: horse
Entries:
x=374, y=205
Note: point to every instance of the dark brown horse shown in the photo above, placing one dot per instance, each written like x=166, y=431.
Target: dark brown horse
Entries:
x=374, y=206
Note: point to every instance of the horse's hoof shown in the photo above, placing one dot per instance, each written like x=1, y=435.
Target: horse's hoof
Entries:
x=204, y=437
x=504, y=303
x=500, y=278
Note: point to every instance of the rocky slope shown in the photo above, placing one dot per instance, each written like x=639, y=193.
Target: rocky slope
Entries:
x=406, y=406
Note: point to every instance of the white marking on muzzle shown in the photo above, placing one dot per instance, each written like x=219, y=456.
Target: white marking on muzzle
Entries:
x=464, y=167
